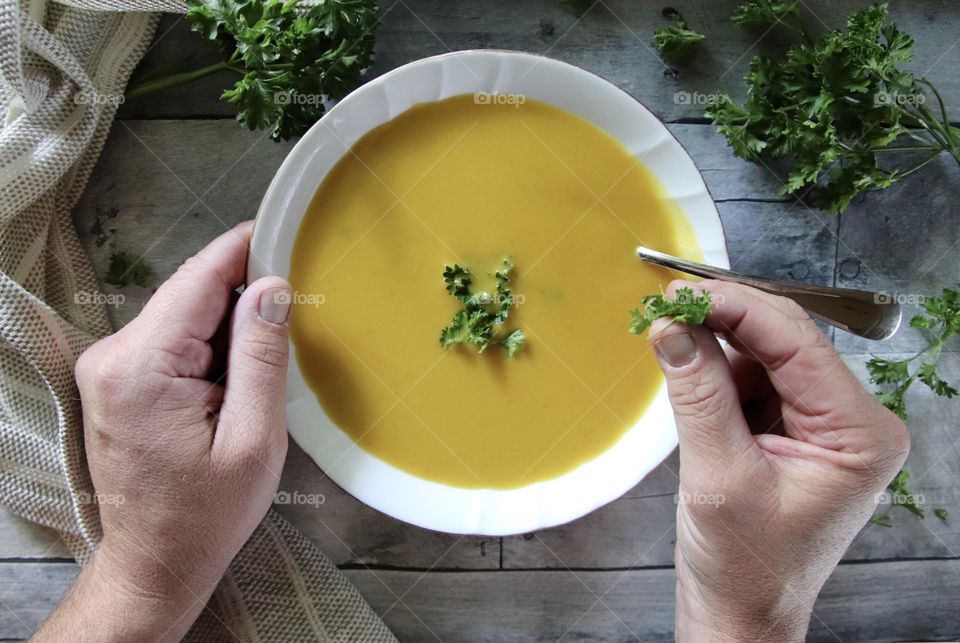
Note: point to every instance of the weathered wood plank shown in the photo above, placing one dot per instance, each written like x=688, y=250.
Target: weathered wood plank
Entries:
x=873, y=602
x=614, y=40
x=916, y=600
x=29, y=592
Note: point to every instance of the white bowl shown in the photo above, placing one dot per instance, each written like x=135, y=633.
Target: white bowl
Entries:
x=399, y=494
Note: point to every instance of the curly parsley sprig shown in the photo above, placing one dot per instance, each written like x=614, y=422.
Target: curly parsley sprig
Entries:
x=678, y=41
x=685, y=307
x=482, y=314
x=942, y=319
x=290, y=61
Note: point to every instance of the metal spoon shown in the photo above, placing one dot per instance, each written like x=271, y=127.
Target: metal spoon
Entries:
x=860, y=312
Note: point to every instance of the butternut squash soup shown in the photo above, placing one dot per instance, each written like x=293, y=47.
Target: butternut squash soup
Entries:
x=470, y=183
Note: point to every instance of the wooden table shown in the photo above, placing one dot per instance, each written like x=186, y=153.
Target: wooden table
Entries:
x=177, y=170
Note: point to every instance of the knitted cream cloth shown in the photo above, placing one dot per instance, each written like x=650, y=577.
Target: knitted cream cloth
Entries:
x=53, y=58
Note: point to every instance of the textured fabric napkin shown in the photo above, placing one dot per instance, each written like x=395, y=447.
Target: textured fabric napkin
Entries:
x=54, y=59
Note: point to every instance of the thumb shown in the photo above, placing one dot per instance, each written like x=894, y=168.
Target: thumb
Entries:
x=710, y=423
x=253, y=412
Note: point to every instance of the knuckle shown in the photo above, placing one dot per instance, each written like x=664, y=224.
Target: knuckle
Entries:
x=101, y=370
x=171, y=356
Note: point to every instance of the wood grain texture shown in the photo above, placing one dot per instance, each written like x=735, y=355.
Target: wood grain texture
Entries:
x=28, y=593
x=914, y=600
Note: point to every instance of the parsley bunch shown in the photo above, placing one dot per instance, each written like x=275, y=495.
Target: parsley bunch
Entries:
x=676, y=42
x=834, y=106
x=942, y=318
x=290, y=61
x=477, y=322
x=686, y=307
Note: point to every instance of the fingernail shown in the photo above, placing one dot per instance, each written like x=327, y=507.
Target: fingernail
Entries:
x=274, y=305
x=676, y=350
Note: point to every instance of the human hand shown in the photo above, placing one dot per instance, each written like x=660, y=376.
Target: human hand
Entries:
x=782, y=454
x=195, y=463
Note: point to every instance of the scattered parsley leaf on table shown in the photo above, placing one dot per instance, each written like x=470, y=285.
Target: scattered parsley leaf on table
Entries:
x=289, y=60
x=126, y=268
x=833, y=107
x=676, y=42
x=478, y=321
x=686, y=307
x=942, y=318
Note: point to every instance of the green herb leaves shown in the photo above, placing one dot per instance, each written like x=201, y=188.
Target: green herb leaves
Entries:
x=942, y=318
x=833, y=105
x=290, y=61
x=685, y=307
x=768, y=12
x=677, y=42
x=478, y=322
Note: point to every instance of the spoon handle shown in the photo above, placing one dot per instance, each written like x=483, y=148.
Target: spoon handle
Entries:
x=860, y=312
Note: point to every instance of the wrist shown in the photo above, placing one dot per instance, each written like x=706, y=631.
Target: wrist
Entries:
x=705, y=620
x=106, y=603
x=137, y=598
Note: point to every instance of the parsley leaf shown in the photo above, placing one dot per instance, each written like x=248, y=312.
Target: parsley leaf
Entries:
x=686, y=307
x=677, y=42
x=476, y=323
x=126, y=268
x=835, y=106
x=942, y=318
x=290, y=61
x=768, y=12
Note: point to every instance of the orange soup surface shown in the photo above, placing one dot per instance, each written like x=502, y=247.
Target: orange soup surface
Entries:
x=459, y=182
